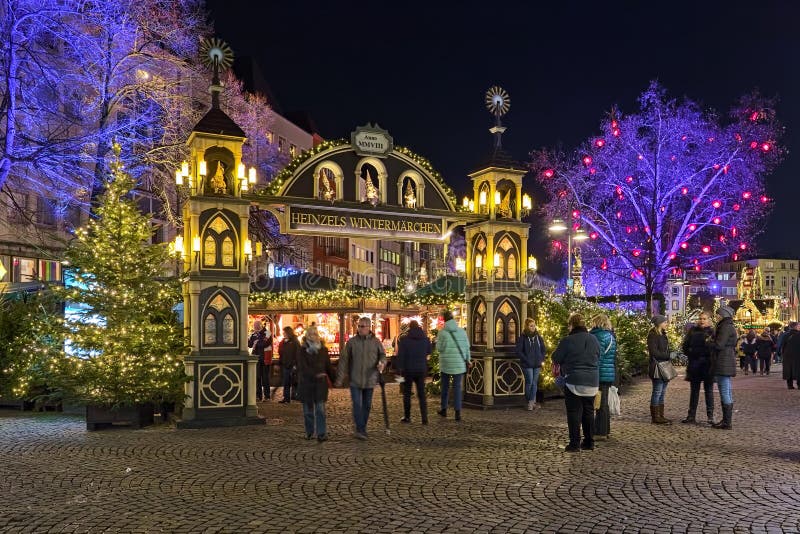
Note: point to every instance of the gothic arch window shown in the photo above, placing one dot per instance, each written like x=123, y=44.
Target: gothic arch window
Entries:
x=507, y=254
x=219, y=244
x=371, y=181
x=505, y=323
x=411, y=190
x=328, y=178
x=479, y=257
x=219, y=322
x=479, y=324
x=484, y=191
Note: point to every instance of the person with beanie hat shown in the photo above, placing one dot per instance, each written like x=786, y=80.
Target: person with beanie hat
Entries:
x=723, y=364
x=658, y=348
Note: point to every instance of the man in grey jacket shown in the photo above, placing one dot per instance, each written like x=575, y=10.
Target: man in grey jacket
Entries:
x=362, y=360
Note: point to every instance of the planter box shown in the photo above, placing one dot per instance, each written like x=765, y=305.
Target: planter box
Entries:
x=101, y=416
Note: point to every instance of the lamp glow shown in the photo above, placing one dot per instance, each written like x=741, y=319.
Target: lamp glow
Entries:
x=497, y=198
x=465, y=202
x=248, y=248
x=240, y=173
x=471, y=205
x=251, y=175
x=532, y=263
x=526, y=202
x=185, y=168
x=482, y=198
x=178, y=177
x=196, y=243
x=497, y=259
x=203, y=168
x=479, y=262
x=580, y=235
x=460, y=265
x=178, y=247
x=558, y=226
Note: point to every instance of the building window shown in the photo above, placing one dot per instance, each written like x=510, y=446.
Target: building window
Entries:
x=769, y=280
x=783, y=281
x=281, y=145
x=770, y=265
x=783, y=265
x=674, y=291
x=270, y=137
x=292, y=150
x=675, y=305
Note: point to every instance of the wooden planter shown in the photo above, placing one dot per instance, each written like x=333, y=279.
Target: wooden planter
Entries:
x=102, y=416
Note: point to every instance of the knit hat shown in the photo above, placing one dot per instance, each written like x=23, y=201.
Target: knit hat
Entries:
x=658, y=319
x=725, y=311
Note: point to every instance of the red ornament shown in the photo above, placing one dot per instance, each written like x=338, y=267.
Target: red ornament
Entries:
x=587, y=160
x=746, y=195
x=706, y=249
x=604, y=265
x=594, y=235
x=738, y=137
x=696, y=267
x=753, y=144
x=754, y=116
x=575, y=227
x=684, y=190
x=725, y=169
x=717, y=204
x=548, y=173
x=592, y=170
x=721, y=238
x=736, y=207
x=684, y=245
x=684, y=137
x=628, y=229
x=716, y=166
x=629, y=179
x=692, y=227
x=614, y=124
x=734, y=231
x=735, y=257
x=615, y=132
x=742, y=246
x=599, y=143
x=619, y=215
x=717, y=220
x=636, y=252
x=618, y=190
x=764, y=199
x=576, y=214
x=765, y=147
x=672, y=255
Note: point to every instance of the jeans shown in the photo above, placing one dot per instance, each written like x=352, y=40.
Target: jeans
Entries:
x=419, y=380
x=362, y=403
x=458, y=384
x=531, y=382
x=725, y=387
x=287, y=383
x=659, y=390
x=580, y=413
x=314, y=412
x=694, y=396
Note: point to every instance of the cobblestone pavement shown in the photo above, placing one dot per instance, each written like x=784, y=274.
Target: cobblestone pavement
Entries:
x=496, y=471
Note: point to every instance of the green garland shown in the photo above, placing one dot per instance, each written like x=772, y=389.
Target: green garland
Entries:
x=316, y=297
x=277, y=183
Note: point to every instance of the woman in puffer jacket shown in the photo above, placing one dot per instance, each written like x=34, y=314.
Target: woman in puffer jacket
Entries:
x=601, y=329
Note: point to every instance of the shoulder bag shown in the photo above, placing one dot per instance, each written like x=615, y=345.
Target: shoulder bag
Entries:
x=664, y=370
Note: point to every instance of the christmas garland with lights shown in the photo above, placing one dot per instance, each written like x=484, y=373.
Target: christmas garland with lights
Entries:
x=342, y=295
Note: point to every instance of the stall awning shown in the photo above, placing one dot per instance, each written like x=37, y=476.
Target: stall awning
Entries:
x=444, y=285
x=293, y=282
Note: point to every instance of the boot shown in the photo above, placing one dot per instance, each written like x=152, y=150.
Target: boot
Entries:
x=689, y=418
x=710, y=416
x=458, y=415
x=443, y=413
x=660, y=419
x=654, y=414
x=727, y=418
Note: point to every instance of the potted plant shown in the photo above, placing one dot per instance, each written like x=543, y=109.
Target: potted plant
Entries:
x=118, y=346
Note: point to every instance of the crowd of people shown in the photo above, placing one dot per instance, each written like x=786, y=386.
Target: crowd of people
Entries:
x=584, y=364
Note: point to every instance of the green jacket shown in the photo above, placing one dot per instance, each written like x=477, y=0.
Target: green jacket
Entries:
x=450, y=339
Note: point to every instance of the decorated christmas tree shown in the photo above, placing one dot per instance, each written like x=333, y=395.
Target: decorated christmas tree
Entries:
x=120, y=342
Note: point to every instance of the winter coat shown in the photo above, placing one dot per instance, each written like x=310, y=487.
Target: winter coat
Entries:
x=313, y=371
x=724, y=354
x=749, y=346
x=765, y=346
x=360, y=360
x=451, y=338
x=261, y=343
x=288, y=350
x=791, y=355
x=697, y=348
x=413, y=350
x=578, y=356
x=608, y=354
x=657, y=348
x=530, y=349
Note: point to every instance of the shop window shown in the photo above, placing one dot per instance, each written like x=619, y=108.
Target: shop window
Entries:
x=24, y=270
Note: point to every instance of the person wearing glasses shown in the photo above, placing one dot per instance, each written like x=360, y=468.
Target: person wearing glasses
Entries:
x=362, y=360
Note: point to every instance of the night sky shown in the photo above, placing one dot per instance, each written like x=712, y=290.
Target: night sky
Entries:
x=420, y=70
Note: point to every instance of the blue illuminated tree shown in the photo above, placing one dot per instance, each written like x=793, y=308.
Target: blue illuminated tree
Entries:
x=669, y=187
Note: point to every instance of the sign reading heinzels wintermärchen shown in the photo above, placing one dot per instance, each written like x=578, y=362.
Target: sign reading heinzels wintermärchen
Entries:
x=367, y=188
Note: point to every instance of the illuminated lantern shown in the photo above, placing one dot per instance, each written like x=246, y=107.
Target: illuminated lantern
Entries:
x=697, y=268
x=619, y=215
x=592, y=170
x=684, y=137
x=619, y=190
x=735, y=257
x=754, y=116
x=725, y=169
x=734, y=231
x=613, y=124
x=615, y=132
x=716, y=166
x=548, y=173
x=721, y=238
x=716, y=204
x=604, y=265
x=575, y=227
x=587, y=160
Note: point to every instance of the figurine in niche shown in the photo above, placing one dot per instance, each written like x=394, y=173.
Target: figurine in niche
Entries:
x=409, y=198
x=327, y=186
x=504, y=210
x=423, y=274
x=371, y=191
x=218, y=180
x=577, y=266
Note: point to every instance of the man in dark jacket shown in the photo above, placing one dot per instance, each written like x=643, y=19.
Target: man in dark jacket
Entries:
x=724, y=364
x=577, y=354
x=764, y=347
x=412, y=361
x=791, y=356
x=260, y=343
x=530, y=350
x=288, y=351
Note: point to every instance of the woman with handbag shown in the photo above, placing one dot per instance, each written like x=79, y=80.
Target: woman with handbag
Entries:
x=658, y=348
x=697, y=347
x=724, y=364
x=454, y=358
x=601, y=329
x=314, y=371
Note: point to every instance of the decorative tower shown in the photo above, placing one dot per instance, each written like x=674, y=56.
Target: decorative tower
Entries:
x=496, y=293
x=216, y=252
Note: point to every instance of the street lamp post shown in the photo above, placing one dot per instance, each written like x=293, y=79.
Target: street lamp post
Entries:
x=559, y=226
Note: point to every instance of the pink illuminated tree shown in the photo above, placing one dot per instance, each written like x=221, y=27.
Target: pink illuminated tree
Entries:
x=669, y=187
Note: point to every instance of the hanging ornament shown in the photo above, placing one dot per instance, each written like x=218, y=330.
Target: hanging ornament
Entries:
x=736, y=207
x=548, y=173
x=587, y=160
x=717, y=220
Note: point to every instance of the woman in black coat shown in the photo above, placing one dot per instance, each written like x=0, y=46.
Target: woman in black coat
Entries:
x=790, y=354
x=314, y=369
x=658, y=349
x=697, y=347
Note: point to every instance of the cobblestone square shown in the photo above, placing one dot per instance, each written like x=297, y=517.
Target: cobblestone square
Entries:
x=496, y=471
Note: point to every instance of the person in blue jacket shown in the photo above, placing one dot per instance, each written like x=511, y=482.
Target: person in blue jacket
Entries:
x=454, y=358
x=602, y=330
x=531, y=351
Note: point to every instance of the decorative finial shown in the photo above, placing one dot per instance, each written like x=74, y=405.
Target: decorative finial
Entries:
x=216, y=55
x=498, y=103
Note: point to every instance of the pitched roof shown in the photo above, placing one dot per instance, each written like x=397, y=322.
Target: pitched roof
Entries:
x=217, y=122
